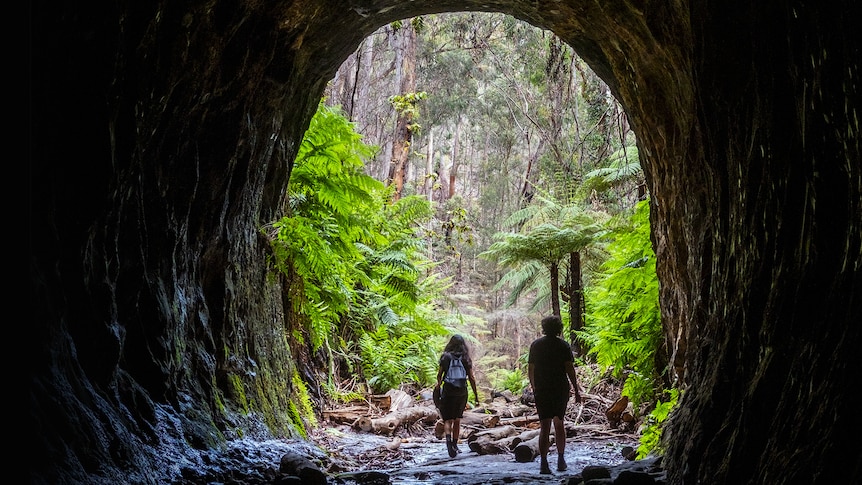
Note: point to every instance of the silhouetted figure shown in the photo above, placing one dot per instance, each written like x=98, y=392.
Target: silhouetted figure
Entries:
x=551, y=368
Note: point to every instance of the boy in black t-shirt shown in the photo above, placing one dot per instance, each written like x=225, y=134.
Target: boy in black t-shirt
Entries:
x=551, y=369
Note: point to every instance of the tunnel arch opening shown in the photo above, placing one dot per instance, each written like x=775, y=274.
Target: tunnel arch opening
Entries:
x=755, y=200
x=554, y=131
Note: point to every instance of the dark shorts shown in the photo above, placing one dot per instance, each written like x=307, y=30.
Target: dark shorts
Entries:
x=550, y=406
x=453, y=400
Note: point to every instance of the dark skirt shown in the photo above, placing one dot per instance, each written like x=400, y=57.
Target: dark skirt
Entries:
x=453, y=400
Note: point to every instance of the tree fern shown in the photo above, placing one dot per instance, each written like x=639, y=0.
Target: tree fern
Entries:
x=548, y=232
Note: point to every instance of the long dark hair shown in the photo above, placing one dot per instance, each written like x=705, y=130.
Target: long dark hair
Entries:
x=457, y=345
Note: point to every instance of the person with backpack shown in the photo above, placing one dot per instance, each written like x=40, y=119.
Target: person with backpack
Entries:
x=454, y=371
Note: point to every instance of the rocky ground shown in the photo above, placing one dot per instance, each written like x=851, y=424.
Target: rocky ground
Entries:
x=424, y=460
x=397, y=439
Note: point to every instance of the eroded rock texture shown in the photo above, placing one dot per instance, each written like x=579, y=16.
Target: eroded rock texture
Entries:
x=162, y=138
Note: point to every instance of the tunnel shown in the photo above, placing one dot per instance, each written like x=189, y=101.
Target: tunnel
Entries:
x=162, y=135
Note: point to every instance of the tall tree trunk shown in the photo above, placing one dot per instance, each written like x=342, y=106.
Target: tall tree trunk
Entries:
x=453, y=171
x=428, y=186
x=576, y=302
x=443, y=176
x=405, y=66
x=555, y=288
x=557, y=77
x=531, y=175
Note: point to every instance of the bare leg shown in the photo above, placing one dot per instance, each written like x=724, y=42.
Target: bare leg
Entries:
x=559, y=434
x=544, y=437
x=560, y=440
x=448, y=425
x=544, y=444
x=456, y=429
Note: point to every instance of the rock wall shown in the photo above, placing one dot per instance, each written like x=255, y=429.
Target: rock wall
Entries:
x=162, y=139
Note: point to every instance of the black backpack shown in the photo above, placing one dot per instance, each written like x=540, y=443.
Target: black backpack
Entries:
x=456, y=375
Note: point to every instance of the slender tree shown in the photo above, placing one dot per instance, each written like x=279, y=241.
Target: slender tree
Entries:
x=404, y=40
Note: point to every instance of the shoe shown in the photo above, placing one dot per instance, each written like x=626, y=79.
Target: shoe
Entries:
x=451, y=447
x=545, y=469
x=561, y=464
x=457, y=449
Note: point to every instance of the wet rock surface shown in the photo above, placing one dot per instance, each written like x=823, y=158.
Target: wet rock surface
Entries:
x=428, y=462
x=343, y=451
x=342, y=456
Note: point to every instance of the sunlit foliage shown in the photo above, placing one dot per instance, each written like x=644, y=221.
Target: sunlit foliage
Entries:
x=354, y=259
x=623, y=325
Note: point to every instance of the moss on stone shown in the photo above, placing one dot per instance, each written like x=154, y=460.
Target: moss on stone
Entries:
x=239, y=392
x=306, y=408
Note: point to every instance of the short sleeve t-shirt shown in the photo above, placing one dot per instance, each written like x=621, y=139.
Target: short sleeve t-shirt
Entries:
x=549, y=355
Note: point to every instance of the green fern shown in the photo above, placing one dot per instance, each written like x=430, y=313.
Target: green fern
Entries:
x=623, y=326
x=355, y=260
x=391, y=359
x=650, y=439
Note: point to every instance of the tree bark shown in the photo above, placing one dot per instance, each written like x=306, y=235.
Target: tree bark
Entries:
x=430, y=175
x=525, y=435
x=555, y=288
x=576, y=303
x=527, y=450
x=453, y=170
x=492, y=441
x=521, y=420
x=349, y=415
x=392, y=421
x=405, y=64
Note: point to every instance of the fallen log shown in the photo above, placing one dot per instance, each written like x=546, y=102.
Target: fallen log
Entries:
x=496, y=433
x=520, y=421
x=404, y=417
x=471, y=419
x=523, y=436
x=527, y=451
x=381, y=401
x=466, y=431
x=492, y=441
x=345, y=415
x=505, y=410
x=516, y=410
x=614, y=413
x=399, y=399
